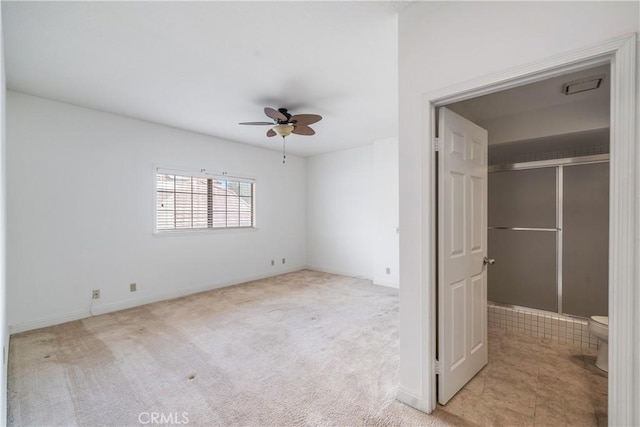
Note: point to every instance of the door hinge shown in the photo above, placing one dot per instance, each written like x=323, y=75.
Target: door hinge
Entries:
x=437, y=367
x=436, y=144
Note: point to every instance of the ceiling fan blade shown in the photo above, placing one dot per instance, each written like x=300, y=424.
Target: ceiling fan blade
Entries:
x=275, y=114
x=303, y=130
x=271, y=132
x=305, y=119
x=256, y=123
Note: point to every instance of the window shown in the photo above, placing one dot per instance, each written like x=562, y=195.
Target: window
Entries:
x=188, y=201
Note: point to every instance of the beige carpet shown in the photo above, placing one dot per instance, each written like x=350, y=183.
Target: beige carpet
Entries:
x=305, y=348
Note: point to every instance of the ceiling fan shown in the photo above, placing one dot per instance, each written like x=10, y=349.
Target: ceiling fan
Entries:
x=284, y=124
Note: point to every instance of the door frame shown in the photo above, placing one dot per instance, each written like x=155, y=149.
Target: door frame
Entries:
x=624, y=206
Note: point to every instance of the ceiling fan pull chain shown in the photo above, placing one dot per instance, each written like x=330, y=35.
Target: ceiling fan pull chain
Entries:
x=284, y=156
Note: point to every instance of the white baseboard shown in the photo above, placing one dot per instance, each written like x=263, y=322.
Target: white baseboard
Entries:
x=412, y=400
x=3, y=392
x=49, y=321
x=387, y=283
x=133, y=302
x=338, y=272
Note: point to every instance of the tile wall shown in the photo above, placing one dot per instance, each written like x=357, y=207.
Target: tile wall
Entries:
x=562, y=329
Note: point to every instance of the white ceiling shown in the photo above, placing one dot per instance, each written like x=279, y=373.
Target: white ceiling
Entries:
x=205, y=66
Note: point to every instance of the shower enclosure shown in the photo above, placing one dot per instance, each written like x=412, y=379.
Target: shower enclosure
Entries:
x=549, y=233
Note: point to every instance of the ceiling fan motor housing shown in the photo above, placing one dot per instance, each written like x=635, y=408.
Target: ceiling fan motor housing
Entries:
x=285, y=113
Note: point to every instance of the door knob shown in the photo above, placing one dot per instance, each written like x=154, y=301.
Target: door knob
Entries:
x=487, y=260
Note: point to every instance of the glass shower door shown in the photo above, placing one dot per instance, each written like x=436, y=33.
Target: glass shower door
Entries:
x=523, y=238
x=585, y=234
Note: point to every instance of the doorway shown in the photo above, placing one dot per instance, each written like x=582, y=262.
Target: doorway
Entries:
x=623, y=222
x=548, y=221
x=542, y=176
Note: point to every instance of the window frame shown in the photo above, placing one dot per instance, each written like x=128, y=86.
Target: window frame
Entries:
x=201, y=173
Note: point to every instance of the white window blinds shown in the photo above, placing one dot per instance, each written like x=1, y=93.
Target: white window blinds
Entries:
x=187, y=201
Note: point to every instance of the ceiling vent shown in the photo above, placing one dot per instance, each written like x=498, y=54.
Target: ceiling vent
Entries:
x=582, y=85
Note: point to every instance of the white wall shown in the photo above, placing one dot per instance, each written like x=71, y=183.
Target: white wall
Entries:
x=4, y=330
x=339, y=202
x=556, y=120
x=386, y=213
x=353, y=212
x=446, y=43
x=80, y=213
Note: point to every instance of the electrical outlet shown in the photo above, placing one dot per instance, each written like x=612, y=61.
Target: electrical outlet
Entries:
x=273, y=263
x=388, y=270
x=95, y=294
x=283, y=261
x=133, y=287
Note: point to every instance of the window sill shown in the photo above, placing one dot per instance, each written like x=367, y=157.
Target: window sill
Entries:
x=204, y=232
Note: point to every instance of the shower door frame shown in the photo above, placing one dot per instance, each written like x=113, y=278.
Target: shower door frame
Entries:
x=559, y=165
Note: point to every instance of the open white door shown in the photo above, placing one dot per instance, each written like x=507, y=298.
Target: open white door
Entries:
x=462, y=248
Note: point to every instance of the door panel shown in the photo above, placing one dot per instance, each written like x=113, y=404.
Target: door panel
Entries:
x=462, y=244
x=478, y=305
x=478, y=214
x=458, y=343
x=456, y=189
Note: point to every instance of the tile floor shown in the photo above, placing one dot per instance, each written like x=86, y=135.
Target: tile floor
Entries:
x=533, y=381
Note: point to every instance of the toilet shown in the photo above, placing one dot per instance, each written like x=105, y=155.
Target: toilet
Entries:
x=599, y=326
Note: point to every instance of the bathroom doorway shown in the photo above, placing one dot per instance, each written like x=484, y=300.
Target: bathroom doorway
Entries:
x=548, y=168
x=534, y=199
x=548, y=192
x=624, y=221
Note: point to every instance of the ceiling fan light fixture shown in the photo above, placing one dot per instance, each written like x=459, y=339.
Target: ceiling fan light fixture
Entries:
x=283, y=130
